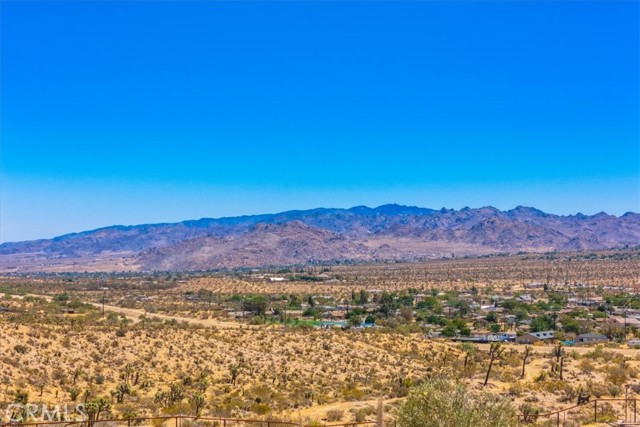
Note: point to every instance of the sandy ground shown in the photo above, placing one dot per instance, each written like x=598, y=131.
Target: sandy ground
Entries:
x=134, y=314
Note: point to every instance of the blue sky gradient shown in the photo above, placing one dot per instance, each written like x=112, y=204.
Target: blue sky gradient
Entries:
x=134, y=112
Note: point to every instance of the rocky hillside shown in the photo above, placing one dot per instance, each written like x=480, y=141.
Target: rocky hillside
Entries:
x=275, y=244
x=359, y=233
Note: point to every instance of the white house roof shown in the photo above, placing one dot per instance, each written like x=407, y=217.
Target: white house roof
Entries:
x=543, y=334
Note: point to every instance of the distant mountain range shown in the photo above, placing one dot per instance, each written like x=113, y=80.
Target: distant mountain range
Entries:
x=387, y=232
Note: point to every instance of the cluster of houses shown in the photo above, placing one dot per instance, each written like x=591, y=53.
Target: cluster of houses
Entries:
x=618, y=316
x=490, y=317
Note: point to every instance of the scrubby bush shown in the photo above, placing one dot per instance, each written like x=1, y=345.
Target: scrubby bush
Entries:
x=443, y=403
x=335, y=415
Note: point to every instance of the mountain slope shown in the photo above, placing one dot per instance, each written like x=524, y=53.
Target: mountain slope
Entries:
x=265, y=244
x=359, y=233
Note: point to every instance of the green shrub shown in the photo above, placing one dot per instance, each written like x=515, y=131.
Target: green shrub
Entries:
x=443, y=403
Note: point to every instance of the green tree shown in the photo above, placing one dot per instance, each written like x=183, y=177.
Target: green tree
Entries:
x=363, y=297
x=256, y=305
x=430, y=303
x=354, y=321
x=570, y=324
x=542, y=323
x=455, y=327
x=492, y=317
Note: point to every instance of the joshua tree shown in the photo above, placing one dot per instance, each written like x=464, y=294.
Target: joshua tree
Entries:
x=197, y=400
x=203, y=381
x=469, y=351
x=95, y=407
x=235, y=371
x=121, y=391
x=558, y=353
x=495, y=352
x=527, y=350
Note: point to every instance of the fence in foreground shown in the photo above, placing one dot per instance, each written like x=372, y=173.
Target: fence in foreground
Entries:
x=182, y=421
x=608, y=411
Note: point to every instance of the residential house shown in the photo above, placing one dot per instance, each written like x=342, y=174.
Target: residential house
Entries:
x=591, y=338
x=629, y=322
x=335, y=315
x=533, y=337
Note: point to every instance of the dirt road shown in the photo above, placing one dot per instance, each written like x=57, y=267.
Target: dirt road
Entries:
x=134, y=314
x=630, y=352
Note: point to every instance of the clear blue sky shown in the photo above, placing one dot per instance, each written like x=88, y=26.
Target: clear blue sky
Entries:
x=125, y=113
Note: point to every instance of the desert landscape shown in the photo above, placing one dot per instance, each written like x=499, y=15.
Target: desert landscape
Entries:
x=319, y=344
x=311, y=213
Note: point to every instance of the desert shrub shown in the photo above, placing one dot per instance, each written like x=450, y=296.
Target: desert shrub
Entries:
x=617, y=375
x=351, y=392
x=361, y=414
x=443, y=403
x=569, y=393
x=19, y=348
x=586, y=366
x=614, y=390
x=529, y=413
x=335, y=415
x=596, y=389
x=606, y=413
x=261, y=408
x=516, y=389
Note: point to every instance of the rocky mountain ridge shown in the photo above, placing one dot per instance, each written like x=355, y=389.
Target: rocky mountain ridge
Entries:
x=359, y=233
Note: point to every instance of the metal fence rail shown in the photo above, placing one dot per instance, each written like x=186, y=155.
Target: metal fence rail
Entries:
x=598, y=406
x=177, y=421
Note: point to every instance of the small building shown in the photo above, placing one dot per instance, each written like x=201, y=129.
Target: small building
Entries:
x=634, y=343
x=591, y=338
x=533, y=337
x=335, y=315
x=629, y=322
x=504, y=336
